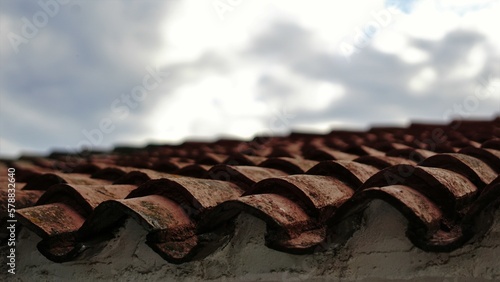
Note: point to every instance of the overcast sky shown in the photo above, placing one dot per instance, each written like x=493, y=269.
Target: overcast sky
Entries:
x=77, y=74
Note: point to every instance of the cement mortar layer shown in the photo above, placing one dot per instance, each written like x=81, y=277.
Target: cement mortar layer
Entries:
x=378, y=251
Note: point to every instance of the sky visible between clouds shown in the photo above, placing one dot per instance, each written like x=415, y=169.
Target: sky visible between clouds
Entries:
x=77, y=74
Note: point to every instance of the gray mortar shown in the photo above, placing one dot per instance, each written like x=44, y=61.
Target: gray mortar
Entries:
x=379, y=250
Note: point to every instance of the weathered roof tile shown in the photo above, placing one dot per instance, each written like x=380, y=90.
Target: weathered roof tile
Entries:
x=187, y=196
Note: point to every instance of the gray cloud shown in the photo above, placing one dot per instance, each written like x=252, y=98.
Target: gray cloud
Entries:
x=376, y=83
x=70, y=72
x=67, y=77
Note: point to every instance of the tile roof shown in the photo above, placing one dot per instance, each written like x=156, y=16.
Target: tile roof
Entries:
x=443, y=178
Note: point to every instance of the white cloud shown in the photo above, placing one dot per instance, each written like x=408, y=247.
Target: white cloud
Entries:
x=426, y=22
x=9, y=149
x=464, y=6
x=414, y=55
x=232, y=76
x=423, y=80
x=472, y=65
x=208, y=107
x=390, y=42
x=196, y=28
x=331, y=22
x=314, y=96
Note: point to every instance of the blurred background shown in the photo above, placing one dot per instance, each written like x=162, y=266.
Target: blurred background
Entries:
x=94, y=74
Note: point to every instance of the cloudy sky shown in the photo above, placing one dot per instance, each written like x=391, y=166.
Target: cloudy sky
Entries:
x=78, y=74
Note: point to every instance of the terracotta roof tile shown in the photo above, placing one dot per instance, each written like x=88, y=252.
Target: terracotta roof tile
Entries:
x=324, y=153
x=140, y=176
x=305, y=187
x=211, y=159
x=24, y=198
x=51, y=219
x=416, y=155
x=423, y=215
x=451, y=190
x=289, y=226
x=319, y=195
x=200, y=194
x=352, y=173
x=474, y=169
x=362, y=150
x=492, y=144
x=242, y=159
x=44, y=181
x=194, y=170
x=169, y=165
x=243, y=176
x=171, y=229
x=489, y=156
x=289, y=165
x=381, y=162
x=84, y=197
